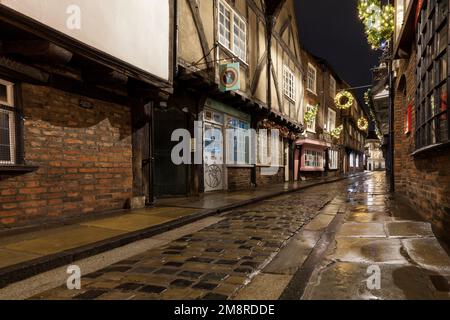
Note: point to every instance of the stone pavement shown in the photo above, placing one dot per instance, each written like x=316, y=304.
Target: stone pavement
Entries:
x=381, y=236
x=213, y=263
x=26, y=251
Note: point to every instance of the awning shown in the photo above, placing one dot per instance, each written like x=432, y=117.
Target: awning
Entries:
x=313, y=143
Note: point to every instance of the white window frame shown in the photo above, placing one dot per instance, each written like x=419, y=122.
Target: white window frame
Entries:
x=9, y=102
x=314, y=159
x=311, y=82
x=331, y=125
x=289, y=83
x=234, y=36
x=263, y=148
x=242, y=146
x=333, y=160
x=311, y=127
x=332, y=86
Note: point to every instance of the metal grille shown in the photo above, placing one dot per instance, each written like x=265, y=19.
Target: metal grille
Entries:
x=432, y=112
x=10, y=125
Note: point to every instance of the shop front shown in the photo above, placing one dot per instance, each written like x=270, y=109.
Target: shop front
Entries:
x=228, y=156
x=312, y=158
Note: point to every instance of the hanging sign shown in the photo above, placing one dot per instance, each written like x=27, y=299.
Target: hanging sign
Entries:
x=230, y=77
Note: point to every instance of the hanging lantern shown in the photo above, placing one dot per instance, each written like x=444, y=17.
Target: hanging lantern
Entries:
x=344, y=100
x=363, y=124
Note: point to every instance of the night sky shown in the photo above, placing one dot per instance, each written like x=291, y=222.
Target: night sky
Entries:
x=332, y=30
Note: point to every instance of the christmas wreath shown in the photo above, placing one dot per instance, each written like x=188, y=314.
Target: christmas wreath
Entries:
x=344, y=100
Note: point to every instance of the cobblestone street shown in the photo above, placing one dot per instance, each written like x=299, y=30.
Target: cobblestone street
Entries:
x=313, y=244
x=213, y=263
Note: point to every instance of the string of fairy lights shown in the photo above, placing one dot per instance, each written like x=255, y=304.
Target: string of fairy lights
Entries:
x=378, y=20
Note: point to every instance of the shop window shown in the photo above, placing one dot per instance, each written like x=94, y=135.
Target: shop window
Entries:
x=313, y=159
x=289, y=83
x=333, y=160
x=263, y=148
x=432, y=120
x=9, y=125
x=232, y=31
x=239, y=142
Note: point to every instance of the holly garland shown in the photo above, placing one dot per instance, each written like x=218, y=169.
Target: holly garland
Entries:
x=344, y=100
x=336, y=133
x=378, y=21
x=311, y=115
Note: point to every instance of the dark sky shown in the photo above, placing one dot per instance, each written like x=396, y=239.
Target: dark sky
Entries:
x=332, y=30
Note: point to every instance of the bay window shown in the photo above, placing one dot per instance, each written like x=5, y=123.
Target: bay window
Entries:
x=232, y=31
x=314, y=159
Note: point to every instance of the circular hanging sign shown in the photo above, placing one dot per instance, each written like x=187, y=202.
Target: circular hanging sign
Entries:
x=363, y=124
x=229, y=77
x=344, y=100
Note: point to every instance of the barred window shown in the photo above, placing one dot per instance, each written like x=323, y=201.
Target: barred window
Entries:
x=432, y=114
x=8, y=124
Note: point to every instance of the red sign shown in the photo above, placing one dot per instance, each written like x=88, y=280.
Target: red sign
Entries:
x=408, y=119
x=419, y=9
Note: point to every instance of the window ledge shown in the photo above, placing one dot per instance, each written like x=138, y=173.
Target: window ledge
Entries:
x=431, y=150
x=17, y=168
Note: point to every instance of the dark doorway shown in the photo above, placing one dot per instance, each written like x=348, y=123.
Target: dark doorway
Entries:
x=170, y=179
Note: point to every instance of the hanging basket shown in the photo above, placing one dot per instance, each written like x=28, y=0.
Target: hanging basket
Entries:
x=344, y=100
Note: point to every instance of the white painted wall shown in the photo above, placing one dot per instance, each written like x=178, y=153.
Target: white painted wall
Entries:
x=135, y=31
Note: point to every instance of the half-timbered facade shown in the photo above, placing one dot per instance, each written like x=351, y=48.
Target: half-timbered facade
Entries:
x=213, y=36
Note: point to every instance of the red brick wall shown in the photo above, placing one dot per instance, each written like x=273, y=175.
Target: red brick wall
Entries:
x=84, y=158
x=263, y=180
x=239, y=178
x=424, y=180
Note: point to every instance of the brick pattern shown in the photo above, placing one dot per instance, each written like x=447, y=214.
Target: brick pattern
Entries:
x=84, y=158
x=264, y=180
x=211, y=264
x=425, y=181
x=239, y=178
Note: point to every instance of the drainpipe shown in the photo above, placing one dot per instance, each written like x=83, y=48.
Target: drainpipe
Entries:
x=391, y=121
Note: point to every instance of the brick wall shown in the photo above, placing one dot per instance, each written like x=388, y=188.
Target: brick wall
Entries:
x=84, y=158
x=265, y=180
x=239, y=178
x=424, y=180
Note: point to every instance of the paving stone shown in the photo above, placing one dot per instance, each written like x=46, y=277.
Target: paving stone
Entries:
x=214, y=296
x=190, y=274
x=205, y=286
x=182, y=283
x=153, y=289
x=129, y=286
x=90, y=295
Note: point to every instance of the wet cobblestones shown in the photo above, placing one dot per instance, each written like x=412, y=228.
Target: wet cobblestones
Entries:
x=213, y=263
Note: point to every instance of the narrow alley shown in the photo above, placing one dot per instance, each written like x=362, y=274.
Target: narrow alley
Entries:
x=327, y=235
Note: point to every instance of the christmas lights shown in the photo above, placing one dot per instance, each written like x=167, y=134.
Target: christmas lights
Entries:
x=378, y=21
x=336, y=133
x=311, y=114
x=363, y=124
x=344, y=100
